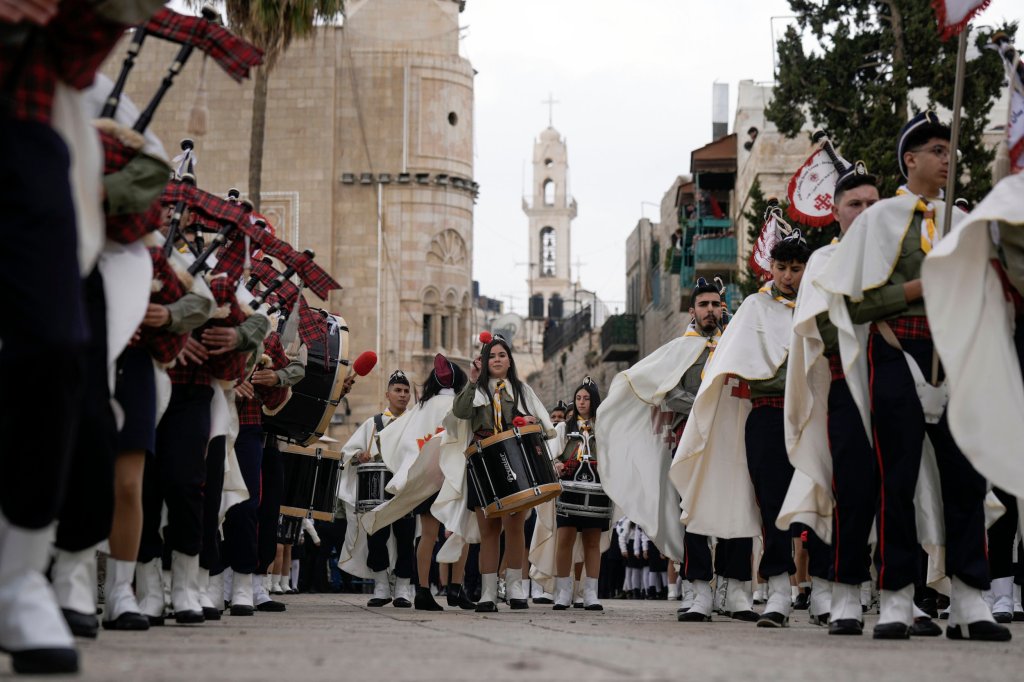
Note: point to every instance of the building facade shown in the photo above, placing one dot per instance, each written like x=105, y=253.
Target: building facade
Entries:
x=368, y=161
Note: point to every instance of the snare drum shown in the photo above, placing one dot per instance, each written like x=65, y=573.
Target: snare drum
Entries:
x=310, y=482
x=583, y=495
x=373, y=479
x=512, y=471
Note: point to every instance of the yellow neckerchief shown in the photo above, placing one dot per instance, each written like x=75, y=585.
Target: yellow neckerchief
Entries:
x=712, y=343
x=927, y=209
x=376, y=434
x=769, y=288
x=585, y=430
x=499, y=424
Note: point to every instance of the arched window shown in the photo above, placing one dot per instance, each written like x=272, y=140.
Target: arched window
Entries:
x=549, y=192
x=548, y=251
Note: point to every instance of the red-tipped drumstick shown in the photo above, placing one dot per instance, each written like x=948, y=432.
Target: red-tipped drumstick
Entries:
x=364, y=364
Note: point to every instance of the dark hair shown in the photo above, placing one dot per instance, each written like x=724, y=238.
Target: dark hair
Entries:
x=697, y=291
x=432, y=386
x=572, y=423
x=791, y=250
x=923, y=133
x=852, y=181
x=483, y=383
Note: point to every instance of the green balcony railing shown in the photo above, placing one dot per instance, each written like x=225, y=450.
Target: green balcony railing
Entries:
x=619, y=338
x=715, y=250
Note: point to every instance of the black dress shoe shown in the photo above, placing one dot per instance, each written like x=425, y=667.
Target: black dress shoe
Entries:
x=211, y=613
x=925, y=627
x=82, y=624
x=891, y=631
x=846, y=626
x=424, y=600
x=682, y=609
x=486, y=607
x=821, y=619
x=746, y=616
x=944, y=615
x=128, y=621
x=543, y=600
x=1018, y=616
x=376, y=602
x=929, y=606
x=242, y=610
x=45, y=661
x=1003, y=617
x=461, y=600
x=693, y=617
x=518, y=604
x=593, y=607
x=560, y=607
x=155, y=621
x=802, y=602
x=982, y=630
x=190, y=617
x=772, y=619
x=272, y=606
x=579, y=604
x=401, y=603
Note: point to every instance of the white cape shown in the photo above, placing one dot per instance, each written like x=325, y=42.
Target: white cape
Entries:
x=635, y=435
x=408, y=448
x=972, y=326
x=710, y=465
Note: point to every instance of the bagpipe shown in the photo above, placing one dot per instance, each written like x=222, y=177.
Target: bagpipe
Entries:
x=122, y=144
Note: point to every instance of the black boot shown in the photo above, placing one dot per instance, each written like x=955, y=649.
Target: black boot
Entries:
x=457, y=597
x=424, y=600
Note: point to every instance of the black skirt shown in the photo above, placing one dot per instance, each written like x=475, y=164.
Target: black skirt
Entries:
x=581, y=522
x=135, y=391
x=424, y=506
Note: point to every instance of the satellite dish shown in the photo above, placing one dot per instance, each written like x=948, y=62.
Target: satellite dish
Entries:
x=508, y=325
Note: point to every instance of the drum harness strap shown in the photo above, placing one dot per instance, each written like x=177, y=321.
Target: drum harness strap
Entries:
x=499, y=424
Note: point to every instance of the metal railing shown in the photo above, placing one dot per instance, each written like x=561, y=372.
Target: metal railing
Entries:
x=560, y=333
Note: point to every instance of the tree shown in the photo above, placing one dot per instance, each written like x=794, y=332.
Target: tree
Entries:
x=754, y=215
x=271, y=25
x=856, y=83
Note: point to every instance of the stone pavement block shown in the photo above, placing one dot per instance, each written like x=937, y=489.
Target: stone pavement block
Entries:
x=338, y=638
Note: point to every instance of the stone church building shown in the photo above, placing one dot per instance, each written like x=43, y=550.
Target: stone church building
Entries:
x=368, y=161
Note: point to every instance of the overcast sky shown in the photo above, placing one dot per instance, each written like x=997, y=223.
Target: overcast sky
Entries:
x=634, y=82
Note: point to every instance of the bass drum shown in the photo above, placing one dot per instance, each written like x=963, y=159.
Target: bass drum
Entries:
x=307, y=414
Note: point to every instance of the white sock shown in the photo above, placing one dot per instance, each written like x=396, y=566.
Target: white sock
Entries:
x=489, y=587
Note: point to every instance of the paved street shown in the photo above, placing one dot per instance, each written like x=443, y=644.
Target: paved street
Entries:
x=335, y=637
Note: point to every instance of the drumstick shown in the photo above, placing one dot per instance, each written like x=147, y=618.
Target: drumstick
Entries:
x=364, y=364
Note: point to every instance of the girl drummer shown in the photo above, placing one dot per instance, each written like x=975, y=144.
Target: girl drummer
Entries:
x=578, y=447
x=492, y=399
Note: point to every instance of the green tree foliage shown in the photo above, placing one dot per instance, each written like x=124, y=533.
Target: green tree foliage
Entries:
x=868, y=56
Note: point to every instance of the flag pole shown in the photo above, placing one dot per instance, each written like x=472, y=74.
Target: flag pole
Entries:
x=954, y=138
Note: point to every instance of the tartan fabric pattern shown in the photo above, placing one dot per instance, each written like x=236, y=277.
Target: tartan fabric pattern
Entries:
x=311, y=274
x=198, y=375
x=70, y=48
x=161, y=344
x=835, y=366
x=312, y=321
x=211, y=209
x=231, y=53
x=229, y=366
x=909, y=327
x=250, y=411
x=231, y=259
x=130, y=227
x=769, y=401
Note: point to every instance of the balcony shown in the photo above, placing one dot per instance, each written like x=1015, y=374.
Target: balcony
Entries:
x=715, y=253
x=618, y=339
x=561, y=333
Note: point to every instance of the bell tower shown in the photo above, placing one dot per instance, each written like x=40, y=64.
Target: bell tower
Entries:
x=550, y=212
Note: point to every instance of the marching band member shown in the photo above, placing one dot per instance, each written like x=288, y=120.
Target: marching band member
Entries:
x=978, y=329
x=52, y=190
x=489, y=403
x=647, y=406
x=577, y=447
x=718, y=500
x=877, y=268
x=824, y=416
x=363, y=447
x=410, y=448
